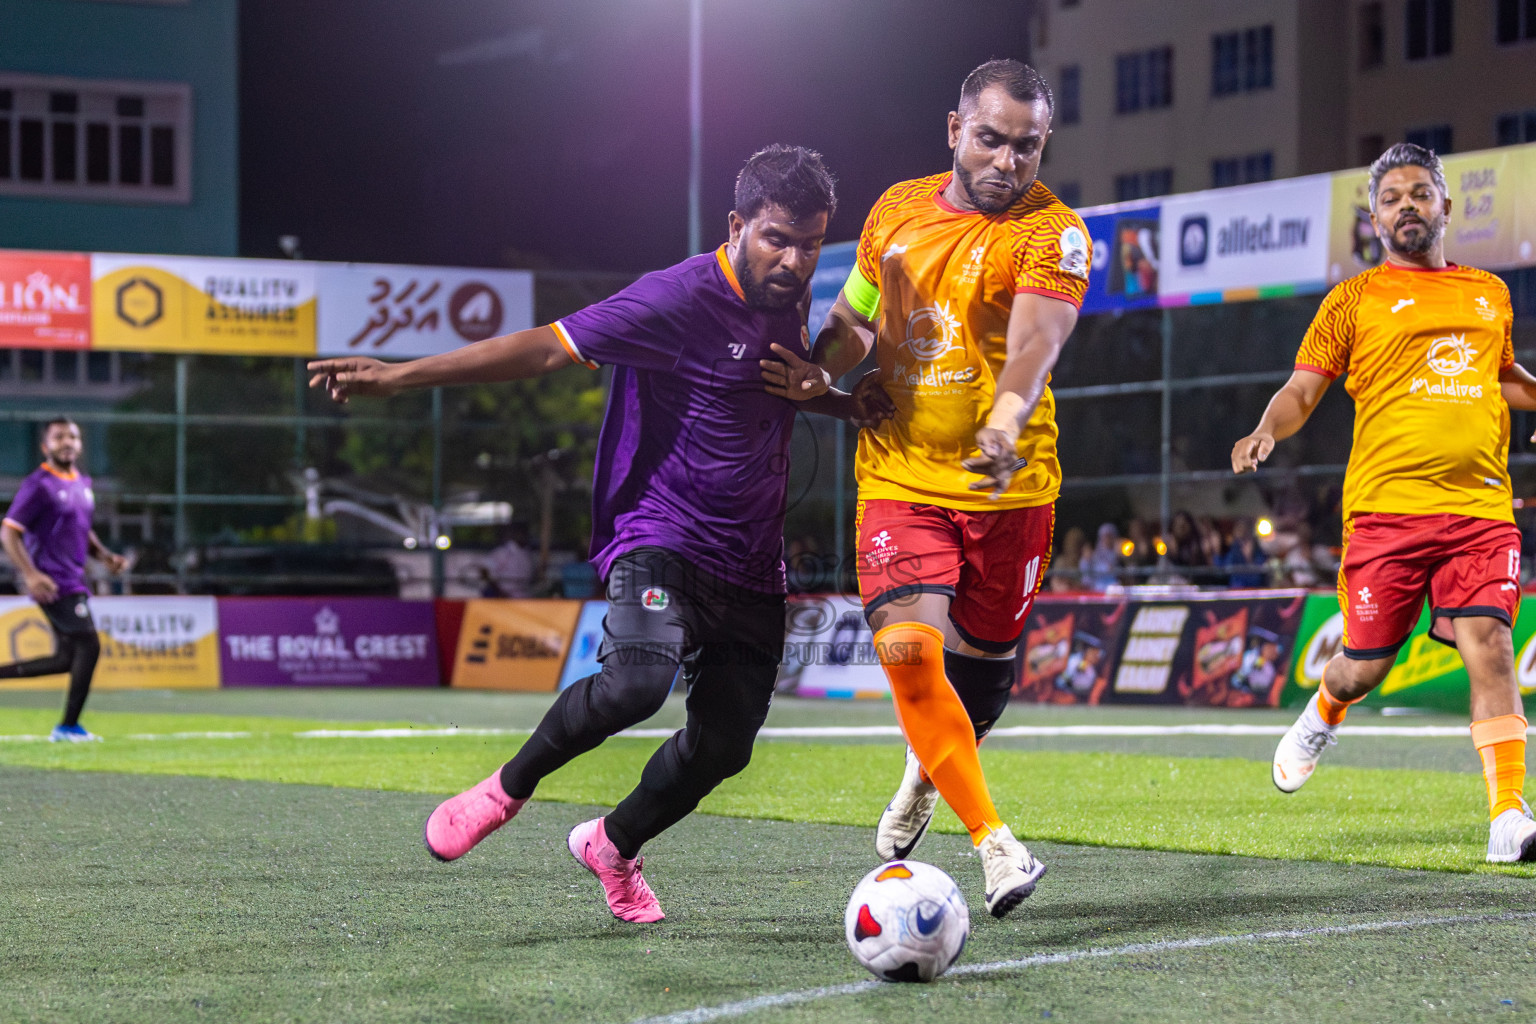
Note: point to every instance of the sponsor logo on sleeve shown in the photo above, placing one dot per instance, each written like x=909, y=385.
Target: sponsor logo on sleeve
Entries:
x=1074, y=253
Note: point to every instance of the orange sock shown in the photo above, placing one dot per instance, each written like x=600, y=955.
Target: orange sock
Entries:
x=1501, y=742
x=1330, y=707
x=935, y=723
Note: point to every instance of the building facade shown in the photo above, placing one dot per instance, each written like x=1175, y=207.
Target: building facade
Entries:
x=1156, y=98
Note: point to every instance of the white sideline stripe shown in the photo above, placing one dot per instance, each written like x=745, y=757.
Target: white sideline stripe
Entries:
x=746, y=1006
x=834, y=732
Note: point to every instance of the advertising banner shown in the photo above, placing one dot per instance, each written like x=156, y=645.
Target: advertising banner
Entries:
x=1493, y=213
x=217, y=306
x=514, y=645
x=1250, y=242
x=1127, y=252
x=1428, y=674
x=832, y=270
x=332, y=641
x=146, y=642
x=1069, y=649
x=45, y=299
x=582, y=659
x=401, y=312
x=830, y=651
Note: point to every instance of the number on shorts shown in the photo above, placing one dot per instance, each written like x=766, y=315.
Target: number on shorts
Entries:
x=1031, y=577
x=1514, y=564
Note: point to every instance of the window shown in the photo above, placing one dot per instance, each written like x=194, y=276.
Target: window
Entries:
x=1143, y=184
x=1429, y=28
x=1436, y=137
x=1144, y=80
x=1515, y=20
x=83, y=139
x=1513, y=129
x=1070, y=97
x=1242, y=170
x=1070, y=193
x=1373, y=37
x=1243, y=61
x=1370, y=147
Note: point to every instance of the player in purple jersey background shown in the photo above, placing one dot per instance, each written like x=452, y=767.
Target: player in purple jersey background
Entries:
x=688, y=511
x=47, y=535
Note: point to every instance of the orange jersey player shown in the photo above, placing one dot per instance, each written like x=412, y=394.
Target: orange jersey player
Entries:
x=967, y=285
x=1428, y=350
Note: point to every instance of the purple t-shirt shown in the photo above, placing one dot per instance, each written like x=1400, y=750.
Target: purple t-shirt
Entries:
x=693, y=454
x=54, y=511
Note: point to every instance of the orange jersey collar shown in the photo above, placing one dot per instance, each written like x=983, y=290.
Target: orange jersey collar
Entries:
x=730, y=273
x=73, y=474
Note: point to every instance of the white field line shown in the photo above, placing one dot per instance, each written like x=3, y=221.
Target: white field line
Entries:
x=753, y=1005
x=831, y=732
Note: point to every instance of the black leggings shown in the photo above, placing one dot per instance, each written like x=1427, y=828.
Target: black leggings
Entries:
x=728, y=642
x=76, y=650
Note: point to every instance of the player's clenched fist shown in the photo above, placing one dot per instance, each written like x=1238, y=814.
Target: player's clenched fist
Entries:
x=343, y=378
x=1250, y=451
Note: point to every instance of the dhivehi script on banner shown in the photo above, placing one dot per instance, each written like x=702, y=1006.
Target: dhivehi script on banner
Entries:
x=146, y=642
x=208, y=305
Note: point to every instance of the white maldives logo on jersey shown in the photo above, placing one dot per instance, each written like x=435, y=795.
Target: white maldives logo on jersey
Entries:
x=883, y=551
x=932, y=333
x=1448, y=357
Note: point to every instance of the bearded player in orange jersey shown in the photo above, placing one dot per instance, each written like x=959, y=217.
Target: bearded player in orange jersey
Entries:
x=1428, y=349
x=967, y=284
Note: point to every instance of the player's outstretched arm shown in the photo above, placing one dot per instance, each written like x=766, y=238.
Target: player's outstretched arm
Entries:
x=842, y=344
x=114, y=562
x=1038, y=325
x=1287, y=412
x=516, y=356
x=1518, y=388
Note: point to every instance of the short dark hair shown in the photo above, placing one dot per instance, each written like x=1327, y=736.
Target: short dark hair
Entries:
x=1023, y=83
x=1406, y=154
x=59, y=421
x=792, y=177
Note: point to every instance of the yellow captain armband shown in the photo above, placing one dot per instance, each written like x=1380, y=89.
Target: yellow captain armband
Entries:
x=861, y=295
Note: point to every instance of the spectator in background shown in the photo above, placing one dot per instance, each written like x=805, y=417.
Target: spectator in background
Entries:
x=510, y=567
x=1143, y=554
x=1212, y=544
x=1184, y=547
x=1065, y=575
x=1245, y=554
x=1300, y=563
x=1101, y=564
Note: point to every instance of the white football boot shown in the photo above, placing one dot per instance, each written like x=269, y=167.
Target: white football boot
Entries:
x=1301, y=747
x=1011, y=871
x=1512, y=836
x=905, y=819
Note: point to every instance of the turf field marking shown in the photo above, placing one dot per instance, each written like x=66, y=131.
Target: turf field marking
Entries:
x=832, y=732
x=746, y=1006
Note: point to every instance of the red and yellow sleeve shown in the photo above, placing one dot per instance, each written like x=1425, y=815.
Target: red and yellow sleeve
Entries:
x=1051, y=257
x=1507, y=309
x=1326, y=346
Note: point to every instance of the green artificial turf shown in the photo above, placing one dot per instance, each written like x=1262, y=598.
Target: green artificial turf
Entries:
x=133, y=898
x=1399, y=818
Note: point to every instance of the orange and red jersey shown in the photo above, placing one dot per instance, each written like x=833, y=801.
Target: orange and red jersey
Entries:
x=939, y=282
x=1423, y=350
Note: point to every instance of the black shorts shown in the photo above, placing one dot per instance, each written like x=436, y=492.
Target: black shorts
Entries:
x=661, y=606
x=70, y=615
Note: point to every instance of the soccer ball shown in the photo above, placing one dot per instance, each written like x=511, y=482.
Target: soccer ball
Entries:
x=907, y=921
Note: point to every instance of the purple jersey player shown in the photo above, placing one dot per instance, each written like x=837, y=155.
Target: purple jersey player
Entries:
x=688, y=512
x=47, y=536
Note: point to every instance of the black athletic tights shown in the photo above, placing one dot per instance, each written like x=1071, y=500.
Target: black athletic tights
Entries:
x=75, y=652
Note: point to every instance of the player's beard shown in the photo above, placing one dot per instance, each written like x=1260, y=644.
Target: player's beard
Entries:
x=983, y=202
x=1427, y=239
x=756, y=289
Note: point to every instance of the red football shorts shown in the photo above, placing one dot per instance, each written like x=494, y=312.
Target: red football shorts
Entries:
x=1465, y=566
x=989, y=563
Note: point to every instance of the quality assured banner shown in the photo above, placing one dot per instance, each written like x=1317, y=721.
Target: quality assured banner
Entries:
x=1127, y=252
x=339, y=641
x=45, y=299
x=514, y=645
x=216, y=306
x=146, y=642
x=1250, y=242
x=401, y=312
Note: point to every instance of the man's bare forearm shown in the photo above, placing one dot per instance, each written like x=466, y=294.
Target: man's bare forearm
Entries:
x=16, y=550
x=1518, y=388
x=843, y=342
x=1286, y=413
x=516, y=356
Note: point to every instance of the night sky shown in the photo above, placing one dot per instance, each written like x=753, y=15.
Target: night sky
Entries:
x=554, y=134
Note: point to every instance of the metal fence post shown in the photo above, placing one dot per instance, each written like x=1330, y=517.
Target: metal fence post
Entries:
x=439, y=556
x=1165, y=471
x=180, y=521
x=840, y=501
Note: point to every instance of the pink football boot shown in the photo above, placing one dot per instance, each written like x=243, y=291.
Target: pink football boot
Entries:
x=629, y=897
x=462, y=821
